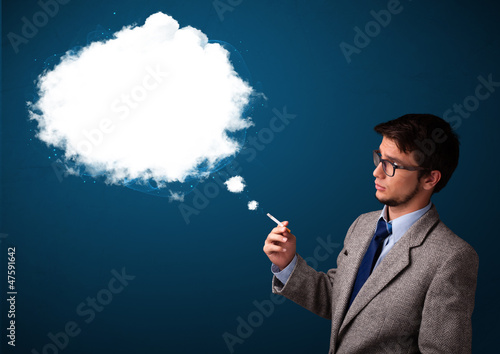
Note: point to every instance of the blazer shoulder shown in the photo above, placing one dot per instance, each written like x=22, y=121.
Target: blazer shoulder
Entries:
x=442, y=237
x=370, y=215
x=368, y=218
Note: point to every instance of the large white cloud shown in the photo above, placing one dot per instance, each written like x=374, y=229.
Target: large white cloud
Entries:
x=154, y=102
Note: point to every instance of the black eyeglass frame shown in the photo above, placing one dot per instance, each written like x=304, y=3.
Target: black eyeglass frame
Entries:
x=378, y=156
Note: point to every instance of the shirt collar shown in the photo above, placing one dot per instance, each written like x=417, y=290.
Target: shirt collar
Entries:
x=400, y=225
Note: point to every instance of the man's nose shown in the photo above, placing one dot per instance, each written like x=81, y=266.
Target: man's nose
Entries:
x=378, y=172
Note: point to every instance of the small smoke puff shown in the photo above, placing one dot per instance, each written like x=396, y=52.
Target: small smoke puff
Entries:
x=252, y=205
x=154, y=102
x=176, y=196
x=235, y=184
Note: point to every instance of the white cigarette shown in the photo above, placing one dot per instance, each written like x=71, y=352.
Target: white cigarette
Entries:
x=275, y=220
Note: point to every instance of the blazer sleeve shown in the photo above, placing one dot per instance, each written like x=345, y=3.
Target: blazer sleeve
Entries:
x=309, y=288
x=446, y=317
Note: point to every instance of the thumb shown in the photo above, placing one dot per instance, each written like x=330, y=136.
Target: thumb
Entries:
x=285, y=223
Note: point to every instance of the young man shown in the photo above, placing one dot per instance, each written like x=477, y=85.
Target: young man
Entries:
x=404, y=282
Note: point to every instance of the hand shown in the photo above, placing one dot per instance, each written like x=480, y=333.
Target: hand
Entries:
x=280, y=246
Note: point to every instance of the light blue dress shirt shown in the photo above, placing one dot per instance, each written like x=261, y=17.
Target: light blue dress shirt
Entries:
x=399, y=227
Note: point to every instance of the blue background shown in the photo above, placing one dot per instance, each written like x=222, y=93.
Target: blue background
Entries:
x=194, y=278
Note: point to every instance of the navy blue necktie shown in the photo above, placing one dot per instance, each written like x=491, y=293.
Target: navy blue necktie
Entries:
x=371, y=257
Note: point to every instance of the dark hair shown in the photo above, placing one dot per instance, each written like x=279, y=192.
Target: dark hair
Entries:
x=431, y=140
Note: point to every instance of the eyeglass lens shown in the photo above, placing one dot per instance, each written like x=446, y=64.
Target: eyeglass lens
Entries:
x=386, y=166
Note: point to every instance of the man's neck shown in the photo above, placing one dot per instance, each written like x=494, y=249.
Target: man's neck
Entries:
x=394, y=212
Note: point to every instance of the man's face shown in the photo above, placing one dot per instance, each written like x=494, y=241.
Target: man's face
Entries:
x=400, y=189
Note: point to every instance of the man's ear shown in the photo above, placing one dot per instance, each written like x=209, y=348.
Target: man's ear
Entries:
x=430, y=180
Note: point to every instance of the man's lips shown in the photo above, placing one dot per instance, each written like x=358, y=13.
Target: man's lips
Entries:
x=379, y=187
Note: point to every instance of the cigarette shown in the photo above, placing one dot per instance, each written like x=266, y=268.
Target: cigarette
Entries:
x=275, y=220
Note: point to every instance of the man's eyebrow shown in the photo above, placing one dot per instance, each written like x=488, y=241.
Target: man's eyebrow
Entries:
x=393, y=159
x=396, y=160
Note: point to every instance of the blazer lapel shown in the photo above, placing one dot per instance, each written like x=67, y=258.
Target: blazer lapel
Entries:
x=355, y=249
x=394, y=262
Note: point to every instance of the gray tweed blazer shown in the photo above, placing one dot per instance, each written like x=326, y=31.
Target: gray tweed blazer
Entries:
x=418, y=300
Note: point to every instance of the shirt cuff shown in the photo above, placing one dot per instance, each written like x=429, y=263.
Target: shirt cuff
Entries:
x=285, y=273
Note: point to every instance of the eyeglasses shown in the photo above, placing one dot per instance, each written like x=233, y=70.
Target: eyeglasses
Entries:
x=390, y=167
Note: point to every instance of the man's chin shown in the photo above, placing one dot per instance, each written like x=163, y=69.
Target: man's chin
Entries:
x=379, y=197
x=386, y=201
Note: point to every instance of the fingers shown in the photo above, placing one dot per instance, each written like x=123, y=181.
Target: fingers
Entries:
x=273, y=248
x=276, y=238
x=275, y=242
x=285, y=223
x=281, y=230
